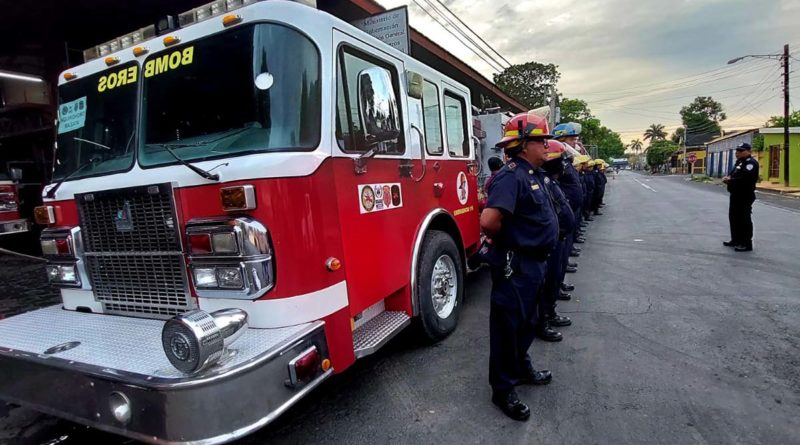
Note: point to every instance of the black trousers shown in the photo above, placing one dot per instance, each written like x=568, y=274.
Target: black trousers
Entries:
x=556, y=265
x=739, y=215
x=512, y=320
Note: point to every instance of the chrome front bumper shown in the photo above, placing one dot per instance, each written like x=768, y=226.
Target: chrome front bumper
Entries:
x=245, y=391
x=14, y=226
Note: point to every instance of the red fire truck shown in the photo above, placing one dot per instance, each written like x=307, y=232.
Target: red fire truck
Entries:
x=241, y=206
x=11, y=221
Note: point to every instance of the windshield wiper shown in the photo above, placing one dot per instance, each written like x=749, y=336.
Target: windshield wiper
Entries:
x=52, y=192
x=198, y=170
x=92, y=142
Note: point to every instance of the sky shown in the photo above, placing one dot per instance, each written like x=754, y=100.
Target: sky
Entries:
x=637, y=62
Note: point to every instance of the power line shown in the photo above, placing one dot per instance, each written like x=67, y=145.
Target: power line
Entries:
x=492, y=65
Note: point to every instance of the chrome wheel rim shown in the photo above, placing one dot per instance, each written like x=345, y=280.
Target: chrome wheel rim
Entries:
x=444, y=286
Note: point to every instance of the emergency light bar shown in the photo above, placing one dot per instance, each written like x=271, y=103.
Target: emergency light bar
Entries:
x=187, y=18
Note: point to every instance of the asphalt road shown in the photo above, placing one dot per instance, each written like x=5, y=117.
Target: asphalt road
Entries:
x=676, y=339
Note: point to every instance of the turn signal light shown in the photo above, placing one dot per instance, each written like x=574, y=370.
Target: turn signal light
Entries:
x=139, y=51
x=200, y=244
x=171, y=40
x=333, y=264
x=44, y=215
x=240, y=197
x=70, y=76
x=112, y=60
x=231, y=19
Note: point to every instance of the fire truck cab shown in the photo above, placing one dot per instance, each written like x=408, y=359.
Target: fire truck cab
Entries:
x=241, y=207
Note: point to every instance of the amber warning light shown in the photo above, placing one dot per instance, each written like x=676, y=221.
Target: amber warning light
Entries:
x=236, y=198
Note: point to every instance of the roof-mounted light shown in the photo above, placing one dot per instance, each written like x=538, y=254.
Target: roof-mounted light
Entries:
x=171, y=40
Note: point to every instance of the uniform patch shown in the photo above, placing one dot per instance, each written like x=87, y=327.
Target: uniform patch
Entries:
x=749, y=166
x=535, y=187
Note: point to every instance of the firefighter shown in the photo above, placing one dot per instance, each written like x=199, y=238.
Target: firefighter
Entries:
x=599, y=179
x=559, y=259
x=742, y=186
x=570, y=181
x=589, y=179
x=521, y=221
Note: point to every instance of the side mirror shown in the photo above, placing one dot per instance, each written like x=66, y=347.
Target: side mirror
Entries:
x=15, y=173
x=377, y=107
x=414, y=84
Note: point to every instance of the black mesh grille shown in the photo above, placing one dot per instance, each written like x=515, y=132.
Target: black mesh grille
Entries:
x=133, y=251
x=130, y=219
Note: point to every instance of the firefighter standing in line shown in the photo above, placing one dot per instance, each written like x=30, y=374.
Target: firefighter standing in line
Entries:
x=741, y=183
x=570, y=182
x=558, y=260
x=521, y=221
x=599, y=186
x=590, y=187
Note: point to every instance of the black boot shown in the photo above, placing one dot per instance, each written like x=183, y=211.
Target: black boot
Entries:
x=574, y=253
x=534, y=377
x=511, y=405
x=564, y=296
x=567, y=287
x=547, y=333
x=559, y=321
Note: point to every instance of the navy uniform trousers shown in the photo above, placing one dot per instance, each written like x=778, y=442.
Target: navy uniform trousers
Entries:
x=512, y=321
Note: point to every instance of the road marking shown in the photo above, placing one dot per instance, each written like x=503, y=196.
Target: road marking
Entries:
x=637, y=240
x=645, y=185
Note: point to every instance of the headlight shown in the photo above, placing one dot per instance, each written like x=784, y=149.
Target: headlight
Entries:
x=63, y=274
x=194, y=341
x=230, y=257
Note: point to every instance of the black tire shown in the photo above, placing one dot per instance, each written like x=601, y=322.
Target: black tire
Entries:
x=435, y=245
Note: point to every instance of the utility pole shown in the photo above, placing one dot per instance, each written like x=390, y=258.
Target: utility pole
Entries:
x=786, y=115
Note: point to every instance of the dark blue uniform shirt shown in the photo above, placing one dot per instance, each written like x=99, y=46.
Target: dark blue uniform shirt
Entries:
x=570, y=183
x=522, y=193
x=566, y=217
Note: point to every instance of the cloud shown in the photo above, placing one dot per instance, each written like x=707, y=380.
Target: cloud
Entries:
x=604, y=48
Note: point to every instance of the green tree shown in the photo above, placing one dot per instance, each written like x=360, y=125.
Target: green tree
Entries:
x=609, y=144
x=777, y=121
x=655, y=133
x=677, y=136
x=528, y=82
x=659, y=152
x=575, y=110
x=702, y=115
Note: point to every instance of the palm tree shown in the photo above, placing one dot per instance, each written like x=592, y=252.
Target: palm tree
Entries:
x=655, y=133
x=636, y=145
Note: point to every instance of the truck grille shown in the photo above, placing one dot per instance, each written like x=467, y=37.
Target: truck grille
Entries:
x=133, y=251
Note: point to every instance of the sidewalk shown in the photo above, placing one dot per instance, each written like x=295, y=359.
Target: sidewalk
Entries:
x=763, y=186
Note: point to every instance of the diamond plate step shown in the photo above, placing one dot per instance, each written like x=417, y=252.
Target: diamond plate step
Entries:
x=376, y=332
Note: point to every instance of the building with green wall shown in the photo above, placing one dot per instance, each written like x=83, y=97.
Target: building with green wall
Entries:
x=771, y=159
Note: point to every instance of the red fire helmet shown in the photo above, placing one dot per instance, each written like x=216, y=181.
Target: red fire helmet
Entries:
x=555, y=150
x=522, y=127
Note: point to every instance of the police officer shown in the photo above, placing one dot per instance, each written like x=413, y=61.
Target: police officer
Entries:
x=559, y=259
x=741, y=183
x=520, y=220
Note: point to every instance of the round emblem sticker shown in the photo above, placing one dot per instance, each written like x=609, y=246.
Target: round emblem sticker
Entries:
x=461, y=188
x=367, y=198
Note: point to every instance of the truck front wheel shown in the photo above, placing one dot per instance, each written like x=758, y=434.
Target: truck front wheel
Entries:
x=440, y=285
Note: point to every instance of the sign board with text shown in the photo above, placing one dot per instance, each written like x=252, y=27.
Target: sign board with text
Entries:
x=390, y=27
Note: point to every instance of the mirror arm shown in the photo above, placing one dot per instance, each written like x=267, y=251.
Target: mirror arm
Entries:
x=477, y=164
x=360, y=163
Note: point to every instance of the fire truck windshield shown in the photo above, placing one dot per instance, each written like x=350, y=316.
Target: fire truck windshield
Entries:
x=251, y=89
x=96, y=123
